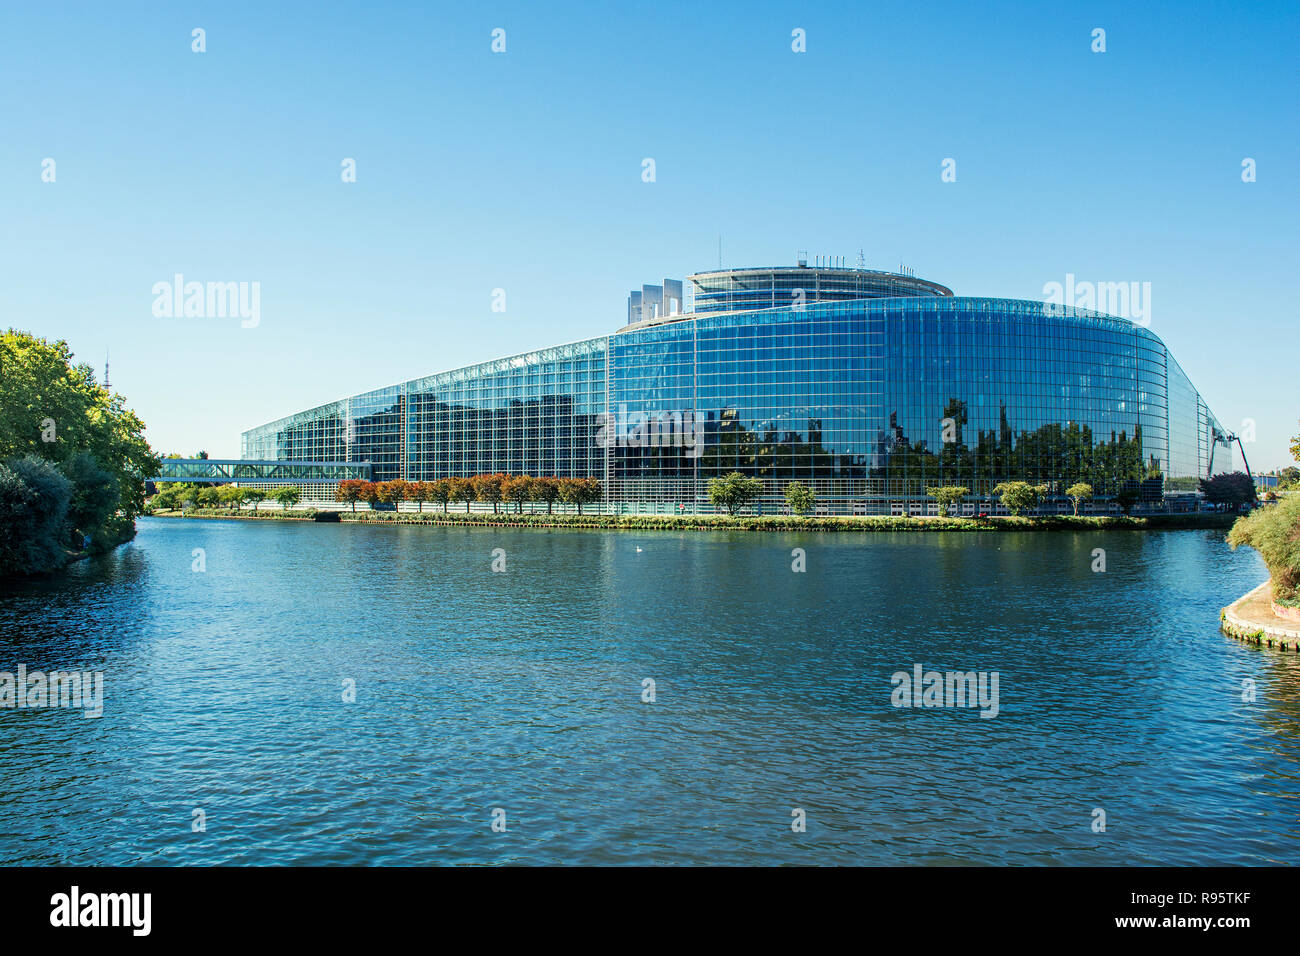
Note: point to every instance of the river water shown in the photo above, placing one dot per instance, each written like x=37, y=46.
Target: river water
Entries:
x=299, y=693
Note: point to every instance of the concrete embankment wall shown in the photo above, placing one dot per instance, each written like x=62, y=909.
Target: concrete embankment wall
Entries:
x=1250, y=618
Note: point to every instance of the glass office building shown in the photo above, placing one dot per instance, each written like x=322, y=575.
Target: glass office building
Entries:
x=867, y=392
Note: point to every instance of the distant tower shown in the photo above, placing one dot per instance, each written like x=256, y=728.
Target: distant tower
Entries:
x=107, y=386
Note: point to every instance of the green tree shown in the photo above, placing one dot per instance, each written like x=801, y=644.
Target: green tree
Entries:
x=167, y=497
x=1079, y=493
x=1020, y=496
x=231, y=495
x=95, y=495
x=947, y=496
x=209, y=496
x=800, y=497
x=52, y=408
x=188, y=494
x=288, y=496
x=1295, y=447
x=34, y=500
x=734, y=491
x=255, y=495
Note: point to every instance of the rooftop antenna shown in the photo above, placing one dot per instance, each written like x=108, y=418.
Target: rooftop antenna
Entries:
x=862, y=259
x=107, y=386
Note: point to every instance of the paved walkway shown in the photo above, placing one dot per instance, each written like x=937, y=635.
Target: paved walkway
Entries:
x=1251, y=618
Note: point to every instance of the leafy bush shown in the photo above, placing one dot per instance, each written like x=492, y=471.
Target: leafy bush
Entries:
x=34, y=499
x=718, y=522
x=1275, y=533
x=95, y=493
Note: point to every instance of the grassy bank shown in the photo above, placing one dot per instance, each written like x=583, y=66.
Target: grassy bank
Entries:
x=740, y=522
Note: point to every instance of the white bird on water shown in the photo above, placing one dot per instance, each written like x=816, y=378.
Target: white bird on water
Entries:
x=638, y=550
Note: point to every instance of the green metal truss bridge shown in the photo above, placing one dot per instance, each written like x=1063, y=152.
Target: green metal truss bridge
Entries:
x=212, y=471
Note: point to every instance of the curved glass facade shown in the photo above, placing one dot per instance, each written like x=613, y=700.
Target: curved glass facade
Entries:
x=869, y=401
x=534, y=413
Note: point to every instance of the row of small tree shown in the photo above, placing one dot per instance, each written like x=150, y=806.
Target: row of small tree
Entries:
x=736, y=491
x=733, y=492
x=176, y=495
x=493, y=489
x=1016, y=496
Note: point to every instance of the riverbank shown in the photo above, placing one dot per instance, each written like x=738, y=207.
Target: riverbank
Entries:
x=606, y=522
x=116, y=532
x=1250, y=618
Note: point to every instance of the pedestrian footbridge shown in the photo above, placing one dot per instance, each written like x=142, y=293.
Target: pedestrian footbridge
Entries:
x=220, y=471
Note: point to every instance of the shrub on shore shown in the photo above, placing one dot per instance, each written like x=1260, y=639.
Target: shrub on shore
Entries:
x=708, y=522
x=1275, y=533
x=34, y=499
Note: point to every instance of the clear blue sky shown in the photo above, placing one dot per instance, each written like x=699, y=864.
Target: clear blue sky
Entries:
x=522, y=171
